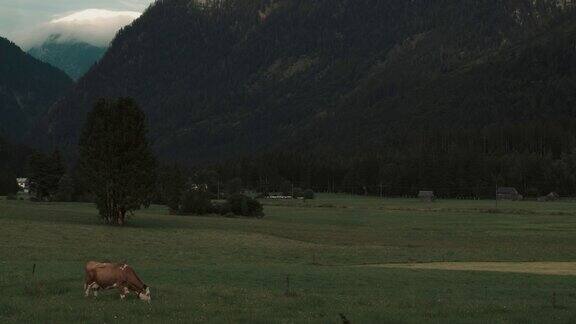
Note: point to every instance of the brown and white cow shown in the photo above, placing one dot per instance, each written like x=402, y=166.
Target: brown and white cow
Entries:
x=102, y=275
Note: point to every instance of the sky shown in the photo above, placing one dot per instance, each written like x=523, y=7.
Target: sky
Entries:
x=28, y=22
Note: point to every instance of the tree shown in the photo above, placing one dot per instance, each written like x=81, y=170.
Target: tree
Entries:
x=116, y=160
x=172, y=184
x=286, y=188
x=66, y=189
x=55, y=172
x=308, y=194
x=234, y=186
x=196, y=202
x=36, y=170
x=44, y=174
x=8, y=184
x=298, y=193
x=245, y=206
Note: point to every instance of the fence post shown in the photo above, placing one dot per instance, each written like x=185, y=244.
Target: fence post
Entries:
x=496, y=196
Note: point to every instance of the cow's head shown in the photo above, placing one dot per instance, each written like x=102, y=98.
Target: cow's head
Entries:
x=145, y=295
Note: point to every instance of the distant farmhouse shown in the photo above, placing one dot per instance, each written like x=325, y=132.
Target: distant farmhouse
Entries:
x=277, y=195
x=23, y=184
x=426, y=196
x=508, y=193
x=199, y=187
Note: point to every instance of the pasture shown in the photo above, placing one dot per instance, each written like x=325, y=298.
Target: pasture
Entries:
x=339, y=254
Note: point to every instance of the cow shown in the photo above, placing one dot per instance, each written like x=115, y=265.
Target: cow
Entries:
x=102, y=275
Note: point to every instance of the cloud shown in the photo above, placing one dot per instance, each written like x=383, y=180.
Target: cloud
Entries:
x=94, y=26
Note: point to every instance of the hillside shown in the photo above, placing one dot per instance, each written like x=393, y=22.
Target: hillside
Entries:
x=27, y=88
x=231, y=78
x=73, y=57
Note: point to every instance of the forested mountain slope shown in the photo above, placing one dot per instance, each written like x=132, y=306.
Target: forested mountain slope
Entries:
x=27, y=88
x=13, y=158
x=230, y=78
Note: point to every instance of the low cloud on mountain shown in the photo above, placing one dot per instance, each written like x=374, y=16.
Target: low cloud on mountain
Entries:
x=93, y=26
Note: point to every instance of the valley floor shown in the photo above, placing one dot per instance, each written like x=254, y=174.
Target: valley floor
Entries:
x=374, y=260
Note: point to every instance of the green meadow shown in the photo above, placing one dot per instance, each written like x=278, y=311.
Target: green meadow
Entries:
x=305, y=262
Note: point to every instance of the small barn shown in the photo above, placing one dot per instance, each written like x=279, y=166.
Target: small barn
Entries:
x=426, y=196
x=553, y=196
x=508, y=193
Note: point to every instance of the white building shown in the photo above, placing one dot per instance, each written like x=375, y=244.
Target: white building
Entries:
x=23, y=184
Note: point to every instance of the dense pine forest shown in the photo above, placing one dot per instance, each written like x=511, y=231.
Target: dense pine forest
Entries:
x=13, y=159
x=372, y=97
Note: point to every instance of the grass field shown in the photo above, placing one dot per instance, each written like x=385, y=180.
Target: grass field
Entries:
x=336, y=251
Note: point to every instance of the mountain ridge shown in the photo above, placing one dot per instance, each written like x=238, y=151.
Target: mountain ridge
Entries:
x=74, y=57
x=228, y=78
x=27, y=88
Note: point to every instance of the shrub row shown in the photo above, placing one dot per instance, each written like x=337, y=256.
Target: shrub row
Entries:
x=198, y=202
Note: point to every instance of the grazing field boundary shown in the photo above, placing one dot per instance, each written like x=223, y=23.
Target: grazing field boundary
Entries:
x=544, y=268
x=477, y=207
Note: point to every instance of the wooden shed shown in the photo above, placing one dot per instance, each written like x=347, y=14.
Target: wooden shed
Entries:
x=508, y=193
x=426, y=196
x=553, y=196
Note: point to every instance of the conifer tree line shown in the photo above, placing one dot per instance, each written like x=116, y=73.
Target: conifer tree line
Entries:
x=536, y=158
x=47, y=174
x=117, y=170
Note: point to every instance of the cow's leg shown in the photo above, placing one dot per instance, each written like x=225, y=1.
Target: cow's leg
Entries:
x=87, y=281
x=90, y=288
x=124, y=291
x=94, y=287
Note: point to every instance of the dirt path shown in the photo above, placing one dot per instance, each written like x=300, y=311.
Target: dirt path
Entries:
x=547, y=268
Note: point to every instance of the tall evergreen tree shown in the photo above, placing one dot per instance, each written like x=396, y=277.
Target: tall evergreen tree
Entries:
x=36, y=169
x=66, y=188
x=44, y=173
x=172, y=184
x=8, y=184
x=55, y=172
x=116, y=160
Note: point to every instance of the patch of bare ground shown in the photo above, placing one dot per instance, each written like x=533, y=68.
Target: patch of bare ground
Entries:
x=544, y=268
